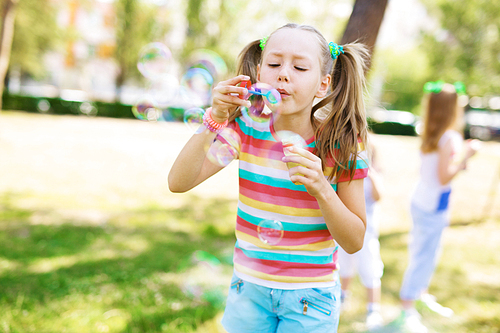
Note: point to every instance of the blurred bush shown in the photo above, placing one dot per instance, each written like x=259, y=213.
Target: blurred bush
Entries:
x=60, y=106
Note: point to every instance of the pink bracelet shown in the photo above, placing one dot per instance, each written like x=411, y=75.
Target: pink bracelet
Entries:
x=211, y=124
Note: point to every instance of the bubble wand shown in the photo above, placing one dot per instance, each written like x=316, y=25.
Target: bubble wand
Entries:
x=272, y=95
x=269, y=95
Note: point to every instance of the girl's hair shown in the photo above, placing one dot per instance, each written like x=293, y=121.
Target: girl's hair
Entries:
x=345, y=121
x=440, y=114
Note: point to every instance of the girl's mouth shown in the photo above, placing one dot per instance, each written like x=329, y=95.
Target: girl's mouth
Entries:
x=283, y=93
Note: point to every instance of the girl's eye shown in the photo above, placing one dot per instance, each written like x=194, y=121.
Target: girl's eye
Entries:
x=273, y=65
x=300, y=69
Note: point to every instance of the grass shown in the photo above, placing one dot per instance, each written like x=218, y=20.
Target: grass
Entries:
x=92, y=241
x=127, y=275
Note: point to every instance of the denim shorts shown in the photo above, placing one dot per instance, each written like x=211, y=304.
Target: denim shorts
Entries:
x=254, y=308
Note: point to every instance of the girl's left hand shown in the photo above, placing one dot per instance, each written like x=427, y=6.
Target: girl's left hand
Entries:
x=308, y=172
x=471, y=147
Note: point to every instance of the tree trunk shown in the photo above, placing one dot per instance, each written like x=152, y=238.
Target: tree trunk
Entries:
x=6, y=36
x=364, y=23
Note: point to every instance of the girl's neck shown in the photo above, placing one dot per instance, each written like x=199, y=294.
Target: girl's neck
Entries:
x=295, y=123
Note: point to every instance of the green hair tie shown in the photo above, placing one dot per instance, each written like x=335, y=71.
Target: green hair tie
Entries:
x=263, y=42
x=335, y=50
x=437, y=86
x=460, y=88
x=433, y=87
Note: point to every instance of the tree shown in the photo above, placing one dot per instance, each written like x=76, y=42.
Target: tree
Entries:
x=36, y=32
x=364, y=23
x=466, y=47
x=138, y=23
x=6, y=37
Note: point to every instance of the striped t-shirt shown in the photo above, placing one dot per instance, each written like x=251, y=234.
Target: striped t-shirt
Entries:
x=306, y=255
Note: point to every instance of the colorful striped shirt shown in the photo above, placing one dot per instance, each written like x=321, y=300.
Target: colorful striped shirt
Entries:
x=306, y=255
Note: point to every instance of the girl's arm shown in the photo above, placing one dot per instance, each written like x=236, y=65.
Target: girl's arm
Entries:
x=377, y=186
x=447, y=169
x=344, y=211
x=345, y=214
x=191, y=166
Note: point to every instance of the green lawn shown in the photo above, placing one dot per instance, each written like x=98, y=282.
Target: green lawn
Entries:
x=93, y=241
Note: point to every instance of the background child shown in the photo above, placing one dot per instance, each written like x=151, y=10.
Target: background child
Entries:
x=367, y=261
x=440, y=149
x=291, y=285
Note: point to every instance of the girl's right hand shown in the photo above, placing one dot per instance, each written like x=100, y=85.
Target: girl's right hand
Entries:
x=225, y=98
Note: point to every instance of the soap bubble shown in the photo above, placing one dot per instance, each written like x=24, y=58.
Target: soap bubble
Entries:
x=225, y=149
x=146, y=109
x=210, y=61
x=193, y=118
x=43, y=106
x=198, y=83
x=290, y=139
x=154, y=60
x=270, y=231
x=88, y=109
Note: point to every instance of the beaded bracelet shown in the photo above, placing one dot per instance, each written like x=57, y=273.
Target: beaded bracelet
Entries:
x=211, y=124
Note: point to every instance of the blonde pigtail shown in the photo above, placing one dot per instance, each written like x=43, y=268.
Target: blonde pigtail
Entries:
x=346, y=121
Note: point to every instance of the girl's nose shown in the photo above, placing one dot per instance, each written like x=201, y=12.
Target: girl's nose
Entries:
x=283, y=75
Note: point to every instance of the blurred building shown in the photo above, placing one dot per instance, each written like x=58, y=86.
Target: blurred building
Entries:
x=85, y=69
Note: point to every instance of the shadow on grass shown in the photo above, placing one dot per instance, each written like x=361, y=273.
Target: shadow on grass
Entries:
x=135, y=262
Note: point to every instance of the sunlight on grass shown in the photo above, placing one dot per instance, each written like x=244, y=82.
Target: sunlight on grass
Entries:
x=124, y=248
x=8, y=265
x=133, y=273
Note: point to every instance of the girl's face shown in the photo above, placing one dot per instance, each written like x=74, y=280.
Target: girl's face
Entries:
x=291, y=64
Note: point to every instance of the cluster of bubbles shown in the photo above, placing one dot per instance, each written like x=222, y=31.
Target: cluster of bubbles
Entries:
x=167, y=95
x=169, y=98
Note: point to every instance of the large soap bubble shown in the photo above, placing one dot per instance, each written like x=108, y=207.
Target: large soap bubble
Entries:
x=198, y=83
x=210, y=61
x=225, y=149
x=265, y=103
x=155, y=60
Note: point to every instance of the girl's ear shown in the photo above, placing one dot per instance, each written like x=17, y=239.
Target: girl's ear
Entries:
x=258, y=73
x=323, y=88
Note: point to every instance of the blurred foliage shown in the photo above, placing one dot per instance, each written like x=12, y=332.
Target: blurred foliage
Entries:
x=467, y=47
x=35, y=32
x=404, y=75
x=137, y=23
x=226, y=26
x=207, y=21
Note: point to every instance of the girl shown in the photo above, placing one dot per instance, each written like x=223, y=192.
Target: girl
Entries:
x=291, y=285
x=367, y=262
x=441, y=143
